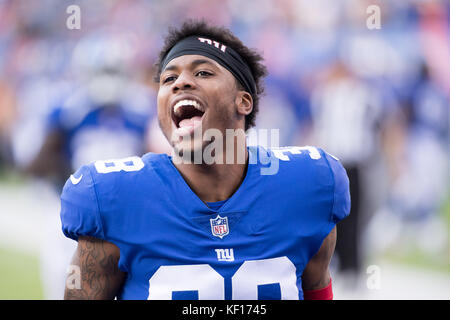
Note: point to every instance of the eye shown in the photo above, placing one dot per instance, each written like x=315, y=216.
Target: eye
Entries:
x=169, y=79
x=203, y=73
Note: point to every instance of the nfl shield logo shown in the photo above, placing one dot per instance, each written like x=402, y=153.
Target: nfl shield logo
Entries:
x=219, y=226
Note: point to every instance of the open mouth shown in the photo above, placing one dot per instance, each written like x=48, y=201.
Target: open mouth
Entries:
x=186, y=113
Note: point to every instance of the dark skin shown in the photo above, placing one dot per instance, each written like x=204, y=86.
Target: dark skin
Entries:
x=197, y=77
x=316, y=274
x=101, y=277
x=202, y=79
x=50, y=161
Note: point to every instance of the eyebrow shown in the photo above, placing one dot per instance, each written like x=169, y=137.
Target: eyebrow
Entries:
x=194, y=64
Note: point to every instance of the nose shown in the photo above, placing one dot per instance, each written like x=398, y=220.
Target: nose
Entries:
x=184, y=81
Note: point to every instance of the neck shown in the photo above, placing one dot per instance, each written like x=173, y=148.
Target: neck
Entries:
x=214, y=182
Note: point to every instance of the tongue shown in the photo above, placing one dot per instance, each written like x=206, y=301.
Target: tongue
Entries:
x=190, y=122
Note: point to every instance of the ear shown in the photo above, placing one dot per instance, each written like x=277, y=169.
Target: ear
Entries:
x=244, y=103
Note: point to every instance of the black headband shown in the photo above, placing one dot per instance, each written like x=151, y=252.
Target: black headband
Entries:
x=225, y=56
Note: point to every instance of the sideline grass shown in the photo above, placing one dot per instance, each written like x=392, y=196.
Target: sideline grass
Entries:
x=19, y=276
x=415, y=257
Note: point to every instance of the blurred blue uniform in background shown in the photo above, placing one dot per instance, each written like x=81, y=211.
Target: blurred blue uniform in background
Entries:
x=94, y=131
x=106, y=114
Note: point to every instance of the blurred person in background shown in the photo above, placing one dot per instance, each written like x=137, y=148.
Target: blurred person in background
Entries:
x=349, y=118
x=411, y=219
x=105, y=115
x=7, y=117
x=420, y=188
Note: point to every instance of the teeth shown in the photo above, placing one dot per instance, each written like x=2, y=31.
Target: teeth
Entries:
x=183, y=103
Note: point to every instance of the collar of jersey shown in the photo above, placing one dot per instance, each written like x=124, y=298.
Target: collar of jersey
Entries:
x=192, y=196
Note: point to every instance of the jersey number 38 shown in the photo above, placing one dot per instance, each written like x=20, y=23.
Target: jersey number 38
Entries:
x=208, y=284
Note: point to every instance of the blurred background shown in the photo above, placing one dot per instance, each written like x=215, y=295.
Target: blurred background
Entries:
x=374, y=93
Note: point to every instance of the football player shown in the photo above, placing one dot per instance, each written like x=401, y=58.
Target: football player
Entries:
x=176, y=227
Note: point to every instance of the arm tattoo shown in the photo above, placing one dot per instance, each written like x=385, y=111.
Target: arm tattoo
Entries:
x=100, y=275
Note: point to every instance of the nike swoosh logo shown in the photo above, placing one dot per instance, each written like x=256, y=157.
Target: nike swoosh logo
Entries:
x=75, y=180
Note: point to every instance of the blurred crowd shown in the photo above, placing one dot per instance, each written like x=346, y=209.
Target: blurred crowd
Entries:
x=378, y=99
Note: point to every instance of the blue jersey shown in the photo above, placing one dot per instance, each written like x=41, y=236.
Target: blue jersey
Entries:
x=255, y=245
